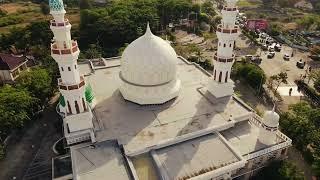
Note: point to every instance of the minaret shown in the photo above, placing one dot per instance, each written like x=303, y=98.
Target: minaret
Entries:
x=269, y=127
x=72, y=86
x=227, y=32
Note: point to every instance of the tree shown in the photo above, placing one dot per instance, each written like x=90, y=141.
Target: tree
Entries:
x=45, y=9
x=253, y=75
x=37, y=82
x=16, y=106
x=93, y=52
x=315, y=76
x=1, y=151
x=85, y=4
x=279, y=79
x=280, y=170
x=207, y=7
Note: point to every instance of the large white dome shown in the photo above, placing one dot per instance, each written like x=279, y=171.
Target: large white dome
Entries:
x=149, y=70
x=149, y=60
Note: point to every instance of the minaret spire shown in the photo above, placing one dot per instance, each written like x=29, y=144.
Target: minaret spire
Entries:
x=72, y=85
x=227, y=32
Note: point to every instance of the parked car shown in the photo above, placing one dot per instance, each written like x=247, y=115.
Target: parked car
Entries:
x=264, y=47
x=272, y=47
x=278, y=47
x=248, y=57
x=271, y=55
x=256, y=59
x=300, y=64
x=286, y=57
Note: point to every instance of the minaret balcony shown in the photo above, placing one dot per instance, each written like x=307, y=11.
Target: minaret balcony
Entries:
x=62, y=51
x=226, y=8
x=223, y=59
x=234, y=30
x=59, y=24
x=66, y=87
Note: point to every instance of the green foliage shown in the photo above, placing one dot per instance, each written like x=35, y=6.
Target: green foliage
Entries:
x=254, y=75
x=125, y=20
x=315, y=75
x=85, y=4
x=3, y=13
x=16, y=107
x=35, y=34
x=45, y=9
x=277, y=80
x=207, y=7
x=280, y=170
x=301, y=123
x=309, y=22
x=92, y=52
x=1, y=152
x=38, y=82
x=274, y=29
x=10, y=20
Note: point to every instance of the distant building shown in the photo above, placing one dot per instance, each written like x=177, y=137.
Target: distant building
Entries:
x=304, y=5
x=11, y=66
x=257, y=24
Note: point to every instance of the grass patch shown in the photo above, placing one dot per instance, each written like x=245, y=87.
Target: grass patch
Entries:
x=249, y=3
x=21, y=14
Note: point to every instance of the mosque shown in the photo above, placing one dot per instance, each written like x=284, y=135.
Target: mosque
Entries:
x=152, y=115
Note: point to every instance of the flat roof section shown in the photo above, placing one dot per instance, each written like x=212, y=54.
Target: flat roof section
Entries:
x=244, y=137
x=138, y=127
x=97, y=162
x=195, y=157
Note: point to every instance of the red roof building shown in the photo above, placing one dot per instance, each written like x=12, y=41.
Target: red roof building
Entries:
x=11, y=66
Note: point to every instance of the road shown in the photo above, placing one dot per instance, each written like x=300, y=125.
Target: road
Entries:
x=29, y=154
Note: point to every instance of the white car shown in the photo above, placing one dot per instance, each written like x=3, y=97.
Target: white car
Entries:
x=286, y=57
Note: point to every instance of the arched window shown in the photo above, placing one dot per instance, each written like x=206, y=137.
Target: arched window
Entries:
x=227, y=76
x=77, y=106
x=230, y=45
x=84, y=104
x=224, y=45
x=220, y=76
x=69, y=108
x=69, y=69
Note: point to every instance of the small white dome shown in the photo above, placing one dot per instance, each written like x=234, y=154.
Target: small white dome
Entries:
x=271, y=119
x=149, y=60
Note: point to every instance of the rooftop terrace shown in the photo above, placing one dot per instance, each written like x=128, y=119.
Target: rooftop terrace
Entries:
x=139, y=127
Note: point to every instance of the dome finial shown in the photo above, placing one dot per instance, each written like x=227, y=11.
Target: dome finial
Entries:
x=274, y=107
x=148, y=31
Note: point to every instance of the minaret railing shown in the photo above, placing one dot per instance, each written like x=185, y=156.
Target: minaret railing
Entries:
x=233, y=30
x=59, y=24
x=62, y=51
x=64, y=86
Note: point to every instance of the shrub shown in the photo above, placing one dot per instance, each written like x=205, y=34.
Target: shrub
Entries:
x=10, y=20
x=254, y=76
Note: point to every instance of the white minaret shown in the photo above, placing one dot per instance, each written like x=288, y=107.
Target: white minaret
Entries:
x=227, y=32
x=269, y=127
x=65, y=51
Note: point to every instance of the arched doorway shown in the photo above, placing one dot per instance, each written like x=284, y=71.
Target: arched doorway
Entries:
x=220, y=76
x=77, y=106
x=227, y=75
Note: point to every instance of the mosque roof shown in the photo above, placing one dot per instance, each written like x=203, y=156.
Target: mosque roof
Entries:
x=148, y=61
